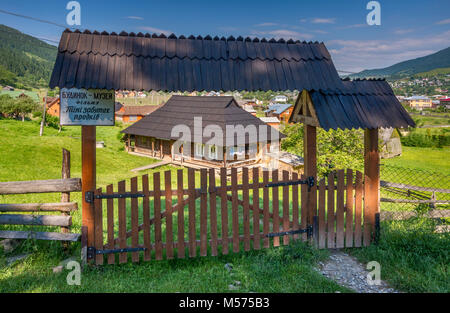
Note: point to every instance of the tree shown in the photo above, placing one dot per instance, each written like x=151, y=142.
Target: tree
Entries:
x=25, y=105
x=336, y=149
x=18, y=107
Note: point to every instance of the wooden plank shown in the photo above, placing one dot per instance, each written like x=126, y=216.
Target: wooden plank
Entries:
x=134, y=221
x=203, y=212
x=180, y=217
x=146, y=218
x=122, y=222
x=411, y=187
x=39, y=207
x=266, y=213
x=234, y=210
x=403, y=215
x=340, y=209
x=310, y=153
x=110, y=223
x=192, y=233
x=349, y=210
x=295, y=211
x=304, y=208
x=169, y=222
x=65, y=173
x=224, y=209
x=16, y=234
x=213, y=210
x=88, y=178
x=245, y=207
x=40, y=186
x=414, y=201
x=331, y=238
x=157, y=212
x=358, y=206
x=275, y=209
x=371, y=182
x=286, y=219
x=29, y=219
x=98, y=227
x=256, y=238
x=322, y=224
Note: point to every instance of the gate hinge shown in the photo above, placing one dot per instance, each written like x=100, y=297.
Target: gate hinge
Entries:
x=308, y=230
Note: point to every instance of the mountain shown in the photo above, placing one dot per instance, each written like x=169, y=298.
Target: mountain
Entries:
x=25, y=61
x=440, y=59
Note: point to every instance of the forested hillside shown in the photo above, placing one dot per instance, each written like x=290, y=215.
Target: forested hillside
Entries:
x=24, y=60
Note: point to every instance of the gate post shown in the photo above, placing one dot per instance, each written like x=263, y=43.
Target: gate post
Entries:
x=371, y=183
x=310, y=160
x=88, y=178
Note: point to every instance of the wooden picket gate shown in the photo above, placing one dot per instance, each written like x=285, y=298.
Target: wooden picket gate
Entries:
x=220, y=217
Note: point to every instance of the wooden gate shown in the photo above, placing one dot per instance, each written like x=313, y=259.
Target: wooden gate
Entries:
x=215, y=214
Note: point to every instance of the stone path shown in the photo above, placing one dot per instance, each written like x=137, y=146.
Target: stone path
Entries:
x=347, y=271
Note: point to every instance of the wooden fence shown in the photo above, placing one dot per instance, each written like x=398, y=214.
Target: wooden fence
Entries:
x=219, y=216
x=65, y=186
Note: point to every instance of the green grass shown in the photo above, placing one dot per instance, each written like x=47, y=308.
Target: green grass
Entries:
x=26, y=156
x=431, y=159
x=412, y=256
x=284, y=269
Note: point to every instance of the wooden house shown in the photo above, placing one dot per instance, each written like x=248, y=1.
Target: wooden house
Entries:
x=134, y=113
x=282, y=111
x=153, y=135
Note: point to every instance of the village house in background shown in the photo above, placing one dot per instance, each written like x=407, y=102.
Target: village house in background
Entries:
x=134, y=113
x=152, y=135
x=19, y=93
x=271, y=121
x=54, y=105
x=282, y=111
x=419, y=102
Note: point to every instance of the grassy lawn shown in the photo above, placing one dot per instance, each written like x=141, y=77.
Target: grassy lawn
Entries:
x=412, y=261
x=430, y=159
x=412, y=256
x=26, y=156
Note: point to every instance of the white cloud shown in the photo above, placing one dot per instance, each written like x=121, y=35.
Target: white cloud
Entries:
x=135, y=17
x=318, y=20
x=283, y=33
x=443, y=22
x=155, y=30
x=403, y=31
x=353, y=26
x=266, y=24
x=356, y=55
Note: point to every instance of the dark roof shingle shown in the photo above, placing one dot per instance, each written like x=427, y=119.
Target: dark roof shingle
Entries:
x=181, y=110
x=365, y=104
x=151, y=62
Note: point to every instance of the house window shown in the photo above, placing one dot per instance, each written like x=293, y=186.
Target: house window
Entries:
x=212, y=152
x=199, y=149
x=133, y=118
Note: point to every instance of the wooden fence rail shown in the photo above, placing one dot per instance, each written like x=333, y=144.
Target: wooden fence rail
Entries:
x=211, y=215
x=65, y=186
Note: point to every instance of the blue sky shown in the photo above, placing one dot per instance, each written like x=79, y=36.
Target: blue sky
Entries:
x=408, y=29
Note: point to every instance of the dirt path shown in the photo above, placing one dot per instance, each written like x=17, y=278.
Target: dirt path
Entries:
x=347, y=271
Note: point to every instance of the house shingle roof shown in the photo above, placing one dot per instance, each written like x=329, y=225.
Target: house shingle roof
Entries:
x=365, y=104
x=181, y=110
x=138, y=109
x=151, y=62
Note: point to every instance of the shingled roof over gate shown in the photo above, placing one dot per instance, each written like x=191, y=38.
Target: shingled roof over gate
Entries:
x=150, y=62
x=365, y=104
